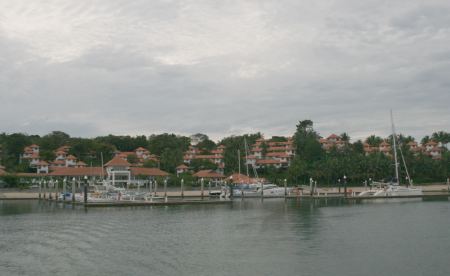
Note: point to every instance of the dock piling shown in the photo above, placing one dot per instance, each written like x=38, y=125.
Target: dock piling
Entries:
x=51, y=186
x=64, y=189
x=85, y=186
x=202, y=186
x=40, y=189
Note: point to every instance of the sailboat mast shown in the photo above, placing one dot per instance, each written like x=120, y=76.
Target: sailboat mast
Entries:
x=395, y=148
x=246, y=155
x=239, y=161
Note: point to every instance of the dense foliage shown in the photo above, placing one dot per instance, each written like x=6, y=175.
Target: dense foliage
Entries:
x=327, y=167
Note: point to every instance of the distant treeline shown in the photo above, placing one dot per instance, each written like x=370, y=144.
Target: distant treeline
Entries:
x=311, y=160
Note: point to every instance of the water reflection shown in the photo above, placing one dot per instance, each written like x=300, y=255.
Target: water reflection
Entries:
x=247, y=237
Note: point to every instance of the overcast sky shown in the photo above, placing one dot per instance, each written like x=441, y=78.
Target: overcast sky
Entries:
x=92, y=68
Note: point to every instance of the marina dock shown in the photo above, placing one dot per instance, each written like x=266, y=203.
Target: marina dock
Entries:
x=206, y=200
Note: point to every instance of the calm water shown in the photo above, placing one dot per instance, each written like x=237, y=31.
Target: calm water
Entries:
x=246, y=238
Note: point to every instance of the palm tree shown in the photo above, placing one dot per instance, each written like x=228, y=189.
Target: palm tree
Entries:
x=345, y=137
x=425, y=139
x=374, y=141
x=441, y=136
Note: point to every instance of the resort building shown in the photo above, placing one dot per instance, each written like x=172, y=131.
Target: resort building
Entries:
x=42, y=167
x=182, y=169
x=210, y=175
x=142, y=155
x=31, y=154
x=278, y=154
x=214, y=156
x=116, y=172
x=332, y=141
x=431, y=148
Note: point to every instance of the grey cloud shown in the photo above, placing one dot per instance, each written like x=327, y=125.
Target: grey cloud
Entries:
x=227, y=68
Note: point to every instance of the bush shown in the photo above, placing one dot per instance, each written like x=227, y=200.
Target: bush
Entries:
x=11, y=181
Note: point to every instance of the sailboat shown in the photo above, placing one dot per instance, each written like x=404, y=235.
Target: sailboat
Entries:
x=257, y=188
x=394, y=188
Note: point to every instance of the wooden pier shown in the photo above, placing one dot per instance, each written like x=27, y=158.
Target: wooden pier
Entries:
x=194, y=199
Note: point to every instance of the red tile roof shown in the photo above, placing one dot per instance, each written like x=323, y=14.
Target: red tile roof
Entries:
x=208, y=157
x=182, y=166
x=279, y=148
x=277, y=154
x=71, y=157
x=148, y=171
x=436, y=149
x=117, y=161
x=240, y=178
x=208, y=174
x=333, y=136
x=63, y=149
x=30, y=174
x=82, y=171
x=269, y=161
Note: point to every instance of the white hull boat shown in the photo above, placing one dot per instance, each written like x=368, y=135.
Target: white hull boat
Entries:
x=396, y=190
x=269, y=190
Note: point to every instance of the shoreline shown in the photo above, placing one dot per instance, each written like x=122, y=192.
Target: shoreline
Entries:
x=30, y=195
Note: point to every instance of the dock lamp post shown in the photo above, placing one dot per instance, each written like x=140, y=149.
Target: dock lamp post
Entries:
x=339, y=185
x=182, y=187
x=345, y=185
x=86, y=184
x=311, y=191
x=165, y=187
